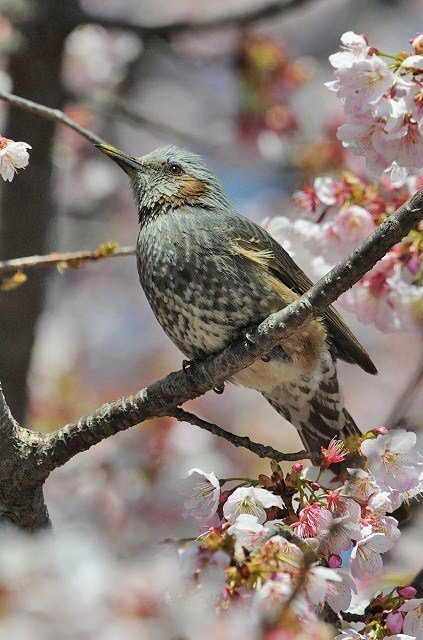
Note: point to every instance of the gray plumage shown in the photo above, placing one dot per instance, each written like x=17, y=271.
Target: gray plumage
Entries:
x=209, y=273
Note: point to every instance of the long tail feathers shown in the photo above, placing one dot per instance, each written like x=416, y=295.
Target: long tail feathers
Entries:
x=315, y=407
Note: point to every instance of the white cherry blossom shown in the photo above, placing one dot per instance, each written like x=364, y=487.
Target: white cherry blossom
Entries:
x=365, y=556
x=354, y=48
x=393, y=460
x=413, y=621
x=13, y=156
x=252, y=500
x=203, y=493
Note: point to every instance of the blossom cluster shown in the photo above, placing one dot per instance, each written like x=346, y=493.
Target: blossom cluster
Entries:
x=295, y=543
x=339, y=211
x=383, y=103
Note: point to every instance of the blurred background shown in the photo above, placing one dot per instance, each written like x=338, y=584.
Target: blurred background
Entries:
x=241, y=83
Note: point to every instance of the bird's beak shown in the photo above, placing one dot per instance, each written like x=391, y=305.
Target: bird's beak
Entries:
x=128, y=163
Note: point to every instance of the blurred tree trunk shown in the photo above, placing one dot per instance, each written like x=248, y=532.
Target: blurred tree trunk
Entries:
x=26, y=206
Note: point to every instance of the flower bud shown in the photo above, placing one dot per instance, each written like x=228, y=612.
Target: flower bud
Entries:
x=380, y=431
x=296, y=468
x=407, y=592
x=335, y=561
x=394, y=622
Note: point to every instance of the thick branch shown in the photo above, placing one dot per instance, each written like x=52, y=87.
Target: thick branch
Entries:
x=68, y=259
x=51, y=114
x=162, y=397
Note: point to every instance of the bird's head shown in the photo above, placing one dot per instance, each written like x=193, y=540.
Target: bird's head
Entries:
x=169, y=178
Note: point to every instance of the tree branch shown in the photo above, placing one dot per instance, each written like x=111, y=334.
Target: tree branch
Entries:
x=67, y=259
x=261, y=450
x=51, y=114
x=242, y=18
x=162, y=397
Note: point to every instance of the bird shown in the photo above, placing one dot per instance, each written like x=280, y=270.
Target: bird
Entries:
x=210, y=273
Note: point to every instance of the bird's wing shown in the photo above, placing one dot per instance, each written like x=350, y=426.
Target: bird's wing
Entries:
x=255, y=244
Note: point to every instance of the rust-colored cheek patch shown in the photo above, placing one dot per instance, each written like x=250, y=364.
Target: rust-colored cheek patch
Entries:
x=190, y=191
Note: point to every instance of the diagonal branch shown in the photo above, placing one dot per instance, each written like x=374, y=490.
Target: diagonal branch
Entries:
x=261, y=450
x=51, y=114
x=162, y=397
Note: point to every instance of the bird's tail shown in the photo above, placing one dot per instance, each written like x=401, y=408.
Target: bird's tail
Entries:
x=315, y=407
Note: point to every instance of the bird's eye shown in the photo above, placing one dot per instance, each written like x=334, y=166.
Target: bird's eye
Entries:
x=175, y=169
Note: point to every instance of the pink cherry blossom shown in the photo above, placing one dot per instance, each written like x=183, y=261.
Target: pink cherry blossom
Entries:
x=355, y=48
x=313, y=521
x=362, y=84
x=253, y=500
x=393, y=460
x=413, y=62
x=413, y=621
x=13, y=156
x=353, y=225
x=365, y=557
x=335, y=452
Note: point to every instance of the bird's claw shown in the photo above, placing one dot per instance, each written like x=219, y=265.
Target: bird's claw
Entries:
x=249, y=338
x=219, y=389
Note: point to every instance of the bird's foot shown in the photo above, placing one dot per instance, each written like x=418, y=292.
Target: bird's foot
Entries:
x=186, y=366
x=249, y=336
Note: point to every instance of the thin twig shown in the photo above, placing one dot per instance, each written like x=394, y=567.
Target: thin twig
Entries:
x=259, y=449
x=69, y=258
x=51, y=114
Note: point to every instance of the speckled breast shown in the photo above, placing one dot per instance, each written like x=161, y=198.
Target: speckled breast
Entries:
x=199, y=294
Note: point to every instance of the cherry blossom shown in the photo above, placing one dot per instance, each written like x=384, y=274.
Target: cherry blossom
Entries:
x=252, y=500
x=316, y=582
x=339, y=592
x=13, y=156
x=361, y=485
x=335, y=452
x=365, y=556
x=362, y=84
x=313, y=520
x=203, y=493
x=355, y=48
x=247, y=530
x=413, y=621
x=393, y=460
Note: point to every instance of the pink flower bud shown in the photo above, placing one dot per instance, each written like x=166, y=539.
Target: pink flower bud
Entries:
x=315, y=486
x=297, y=467
x=380, y=431
x=407, y=592
x=335, y=561
x=394, y=622
x=417, y=43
